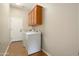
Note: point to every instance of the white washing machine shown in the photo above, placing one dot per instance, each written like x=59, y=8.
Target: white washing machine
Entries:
x=33, y=42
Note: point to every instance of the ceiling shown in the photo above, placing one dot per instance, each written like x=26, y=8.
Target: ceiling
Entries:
x=26, y=6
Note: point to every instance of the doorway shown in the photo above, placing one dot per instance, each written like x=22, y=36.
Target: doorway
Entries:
x=16, y=24
x=16, y=29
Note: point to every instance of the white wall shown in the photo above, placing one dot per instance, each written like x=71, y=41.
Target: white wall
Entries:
x=78, y=27
x=60, y=29
x=4, y=27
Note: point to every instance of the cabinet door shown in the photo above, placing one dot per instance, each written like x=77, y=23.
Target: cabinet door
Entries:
x=29, y=19
x=39, y=15
x=30, y=15
x=34, y=16
x=32, y=19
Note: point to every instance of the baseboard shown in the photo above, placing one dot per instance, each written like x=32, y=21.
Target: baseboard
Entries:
x=7, y=48
x=46, y=52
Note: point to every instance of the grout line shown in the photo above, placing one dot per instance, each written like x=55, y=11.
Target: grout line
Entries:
x=7, y=48
x=46, y=52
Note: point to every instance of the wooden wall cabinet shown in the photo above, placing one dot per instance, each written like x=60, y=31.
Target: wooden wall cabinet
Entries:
x=35, y=16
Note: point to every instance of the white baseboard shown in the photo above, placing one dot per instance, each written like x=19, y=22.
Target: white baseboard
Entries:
x=46, y=52
x=7, y=48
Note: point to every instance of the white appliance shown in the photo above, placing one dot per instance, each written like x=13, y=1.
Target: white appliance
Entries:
x=33, y=42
